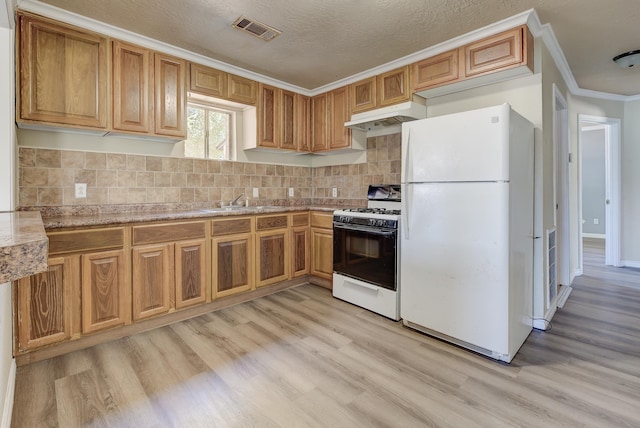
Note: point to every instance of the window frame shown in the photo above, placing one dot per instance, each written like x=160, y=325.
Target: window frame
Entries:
x=231, y=137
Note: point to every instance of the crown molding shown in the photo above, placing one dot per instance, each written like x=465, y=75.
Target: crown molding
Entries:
x=529, y=17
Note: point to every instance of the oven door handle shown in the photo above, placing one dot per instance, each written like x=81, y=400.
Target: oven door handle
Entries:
x=371, y=230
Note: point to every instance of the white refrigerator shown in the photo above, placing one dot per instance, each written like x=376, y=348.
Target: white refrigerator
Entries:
x=467, y=239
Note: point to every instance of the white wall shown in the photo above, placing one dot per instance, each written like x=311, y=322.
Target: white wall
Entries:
x=592, y=146
x=7, y=183
x=631, y=185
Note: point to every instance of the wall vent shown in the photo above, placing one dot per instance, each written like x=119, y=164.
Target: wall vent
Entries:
x=552, y=285
x=255, y=28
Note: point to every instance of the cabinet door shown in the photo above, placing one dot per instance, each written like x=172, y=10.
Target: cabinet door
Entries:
x=232, y=264
x=494, y=53
x=171, y=99
x=393, y=87
x=322, y=253
x=303, y=125
x=106, y=301
x=436, y=71
x=132, y=88
x=272, y=252
x=268, y=117
x=300, y=259
x=363, y=95
x=319, y=141
x=191, y=277
x=242, y=90
x=63, y=74
x=207, y=81
x=339, y=113
x=288, y=122
x=152, y=280
x=43, y=306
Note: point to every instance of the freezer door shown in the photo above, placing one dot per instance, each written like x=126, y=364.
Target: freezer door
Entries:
x=467, y=146
x=455, y=262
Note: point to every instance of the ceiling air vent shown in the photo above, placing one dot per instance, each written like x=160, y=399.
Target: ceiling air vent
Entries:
x=255, y=28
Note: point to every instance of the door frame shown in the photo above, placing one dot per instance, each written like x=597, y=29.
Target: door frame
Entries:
x=561, y=200
x=612, y=143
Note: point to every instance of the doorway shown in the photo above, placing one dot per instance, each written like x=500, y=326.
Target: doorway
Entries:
x=599, y=187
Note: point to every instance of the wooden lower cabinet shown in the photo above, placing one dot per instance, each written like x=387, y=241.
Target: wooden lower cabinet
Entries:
x=106, y=301
x=272, y=253
x=190, y=273
x=43, y=305
x=152, y=274
x=232, y=264
x=300, y=250
x=322, y=245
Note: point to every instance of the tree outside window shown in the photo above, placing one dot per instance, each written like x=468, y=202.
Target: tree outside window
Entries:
x=209, y=133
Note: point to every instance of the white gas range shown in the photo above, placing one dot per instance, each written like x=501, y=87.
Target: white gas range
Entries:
x=366, y=256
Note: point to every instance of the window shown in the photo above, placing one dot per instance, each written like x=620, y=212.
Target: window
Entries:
x=209, y=133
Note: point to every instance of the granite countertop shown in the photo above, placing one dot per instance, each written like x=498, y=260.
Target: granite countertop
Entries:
x=105, y=219
x=23, y=245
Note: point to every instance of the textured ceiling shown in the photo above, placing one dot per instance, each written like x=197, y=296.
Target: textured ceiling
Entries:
x=327, y=40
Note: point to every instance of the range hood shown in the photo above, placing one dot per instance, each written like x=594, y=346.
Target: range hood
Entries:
x=387, y=120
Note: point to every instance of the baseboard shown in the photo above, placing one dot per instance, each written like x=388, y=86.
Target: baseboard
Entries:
x=563, y=296
x=630, y=263
x=7, y=410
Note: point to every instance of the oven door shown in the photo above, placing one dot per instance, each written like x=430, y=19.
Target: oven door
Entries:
x=366, y=253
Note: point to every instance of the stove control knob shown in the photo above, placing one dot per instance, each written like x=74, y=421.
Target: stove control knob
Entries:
x=372, y=222
x=381, y=223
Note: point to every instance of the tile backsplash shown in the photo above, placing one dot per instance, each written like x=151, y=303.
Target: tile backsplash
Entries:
x=47, y=178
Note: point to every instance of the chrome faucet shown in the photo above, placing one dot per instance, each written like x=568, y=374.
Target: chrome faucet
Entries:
x=236, y=199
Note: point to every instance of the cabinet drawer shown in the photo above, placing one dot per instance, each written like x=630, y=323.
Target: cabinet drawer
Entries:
x=230, y=226
x=155, y=233
x=300, y=219
x=322, y=219
x=272, y=222
x=85, y=240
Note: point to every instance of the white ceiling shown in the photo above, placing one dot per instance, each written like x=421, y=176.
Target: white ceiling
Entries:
x=324, y=41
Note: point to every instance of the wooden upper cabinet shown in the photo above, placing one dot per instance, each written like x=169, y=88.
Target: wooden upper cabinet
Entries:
x=319, y=140
x=268, y=116
x=170, y=96
x=363, y=95
x=132, y=88
x=303, y=123
x=505, y=50
x=242, y=90
x=207, y=81
x=393, y=87
x=437, y=70
x=288, y=122
x=63, y=74
x=339, y=113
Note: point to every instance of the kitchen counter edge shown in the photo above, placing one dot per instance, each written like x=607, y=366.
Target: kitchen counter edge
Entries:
x=23, y=245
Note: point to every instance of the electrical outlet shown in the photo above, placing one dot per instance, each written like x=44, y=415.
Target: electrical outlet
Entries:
x=596, y=221
x=291, y=192
x=81, y=190
x=256, y=192
x=334, y=192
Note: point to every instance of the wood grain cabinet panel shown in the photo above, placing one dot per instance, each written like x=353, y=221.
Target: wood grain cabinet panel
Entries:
x=339, y=113
x=272, y=252
x=319, y=136
x=152, y=275
x=363, y=95
x=232, y=264
x=190, y=273
x=207, y=81
x=504, y=50
x=132, y=88
x=436, y=71
x=393, y=87
x=303, y=123
x=288, y=120
x=105, y=300
x=242, y=90
x=63, y=74
x=43, y=306
x=322, y=245
x=170, y=96
x=268, y=116
x=300, y=260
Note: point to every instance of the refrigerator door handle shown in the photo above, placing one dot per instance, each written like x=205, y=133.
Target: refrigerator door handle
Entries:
x=407, y=198
x=408, y=171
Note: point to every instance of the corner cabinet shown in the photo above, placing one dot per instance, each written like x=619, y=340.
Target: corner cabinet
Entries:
x=63, y=74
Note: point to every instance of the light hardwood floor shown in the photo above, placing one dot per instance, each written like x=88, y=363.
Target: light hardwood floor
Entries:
x=303, y=359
